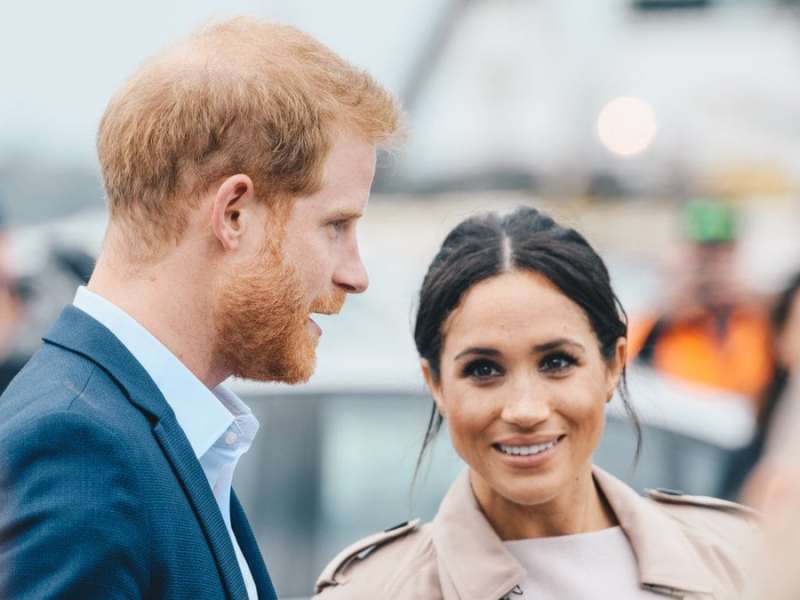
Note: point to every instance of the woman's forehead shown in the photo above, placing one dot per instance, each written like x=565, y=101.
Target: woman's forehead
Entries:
x=515, y=305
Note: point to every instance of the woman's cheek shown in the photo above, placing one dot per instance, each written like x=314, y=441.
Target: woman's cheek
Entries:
x=467, y=419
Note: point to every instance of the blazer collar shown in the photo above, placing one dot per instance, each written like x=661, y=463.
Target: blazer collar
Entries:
x=78, y=332
x=464, y=539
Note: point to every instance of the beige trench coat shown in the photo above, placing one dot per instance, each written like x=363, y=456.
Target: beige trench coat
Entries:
x=686, y=546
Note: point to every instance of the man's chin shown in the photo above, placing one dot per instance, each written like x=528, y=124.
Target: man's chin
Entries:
x=300, y=372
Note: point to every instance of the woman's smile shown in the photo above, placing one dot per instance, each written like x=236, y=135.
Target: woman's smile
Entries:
x=519, y=453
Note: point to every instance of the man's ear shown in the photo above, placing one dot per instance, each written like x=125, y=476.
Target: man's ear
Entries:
x=233, y=210
x=434, y=386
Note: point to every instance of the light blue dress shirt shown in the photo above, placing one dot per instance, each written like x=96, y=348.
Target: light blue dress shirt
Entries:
x=219, y=426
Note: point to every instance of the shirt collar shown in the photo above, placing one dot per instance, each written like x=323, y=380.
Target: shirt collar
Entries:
x=203, y=414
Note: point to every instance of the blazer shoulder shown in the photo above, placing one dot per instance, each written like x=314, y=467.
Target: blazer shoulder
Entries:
x=380, y=565
x=52, y=373
x=68, y=481
x=67, y=412
x=58, y=381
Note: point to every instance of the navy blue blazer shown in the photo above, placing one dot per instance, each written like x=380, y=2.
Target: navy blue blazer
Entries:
x=101, y=495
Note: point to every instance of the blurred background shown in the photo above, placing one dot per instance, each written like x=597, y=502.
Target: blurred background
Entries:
x=665, y=130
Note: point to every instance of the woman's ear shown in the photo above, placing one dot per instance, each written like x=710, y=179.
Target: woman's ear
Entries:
x=616, y=366
x=434, y=385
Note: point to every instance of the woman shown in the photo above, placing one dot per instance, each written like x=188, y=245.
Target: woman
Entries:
x=522, y=343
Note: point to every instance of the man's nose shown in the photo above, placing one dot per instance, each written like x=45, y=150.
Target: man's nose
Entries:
x=352, y=274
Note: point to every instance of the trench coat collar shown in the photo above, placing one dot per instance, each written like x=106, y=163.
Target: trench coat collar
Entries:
x=472, y=556
x=666, y=557
x=478, y=566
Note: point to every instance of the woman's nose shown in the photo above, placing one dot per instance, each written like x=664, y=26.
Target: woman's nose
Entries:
x=527, y=406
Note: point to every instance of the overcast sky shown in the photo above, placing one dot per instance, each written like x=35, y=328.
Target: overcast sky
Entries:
x=61, y=61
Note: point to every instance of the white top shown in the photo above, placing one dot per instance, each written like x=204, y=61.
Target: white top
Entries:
x=219, y=426
x=600, y=564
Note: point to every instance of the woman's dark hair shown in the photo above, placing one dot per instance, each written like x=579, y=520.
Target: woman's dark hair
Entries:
x=489, y=244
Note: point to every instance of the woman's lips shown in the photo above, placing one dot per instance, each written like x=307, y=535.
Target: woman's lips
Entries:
x=528, y=455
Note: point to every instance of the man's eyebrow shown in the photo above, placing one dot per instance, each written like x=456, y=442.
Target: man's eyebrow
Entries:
x=479, y=352
x=345, y=215
x=552, y=345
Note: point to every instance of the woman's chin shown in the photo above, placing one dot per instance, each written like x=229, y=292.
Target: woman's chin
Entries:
x=530, y=490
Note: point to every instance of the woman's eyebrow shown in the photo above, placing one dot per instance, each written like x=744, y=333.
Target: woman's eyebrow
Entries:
x=552, y=345
x=545, y=347
x=479, y=351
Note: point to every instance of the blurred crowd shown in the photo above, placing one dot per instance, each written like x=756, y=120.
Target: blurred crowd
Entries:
x=714, y=331
x=11, y=307
x=711, y=329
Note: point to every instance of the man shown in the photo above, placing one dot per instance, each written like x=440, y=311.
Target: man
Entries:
x=236, y=166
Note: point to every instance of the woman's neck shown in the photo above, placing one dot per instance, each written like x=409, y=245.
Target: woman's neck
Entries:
x=579, y=508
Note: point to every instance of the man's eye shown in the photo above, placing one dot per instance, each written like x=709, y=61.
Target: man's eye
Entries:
x=482, y=369
x=557, y=363
x=338, y=226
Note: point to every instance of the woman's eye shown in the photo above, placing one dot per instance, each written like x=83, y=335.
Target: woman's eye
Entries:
x=482, y=369
x=557, y=363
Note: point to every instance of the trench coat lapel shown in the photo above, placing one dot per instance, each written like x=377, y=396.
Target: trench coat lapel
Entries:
x=666, y=557
x=78, y=332
x=474, y=563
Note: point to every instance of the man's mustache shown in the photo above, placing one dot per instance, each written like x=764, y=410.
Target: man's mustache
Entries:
x=330, y=304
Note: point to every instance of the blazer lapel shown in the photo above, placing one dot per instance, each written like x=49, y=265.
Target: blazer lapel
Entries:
x=78, y=332
x=249, y=546
x=180, y=454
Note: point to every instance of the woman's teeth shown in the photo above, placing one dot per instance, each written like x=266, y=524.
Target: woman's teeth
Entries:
x=526, y=450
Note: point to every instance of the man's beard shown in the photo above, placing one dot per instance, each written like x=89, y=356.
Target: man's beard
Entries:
x=261, y=317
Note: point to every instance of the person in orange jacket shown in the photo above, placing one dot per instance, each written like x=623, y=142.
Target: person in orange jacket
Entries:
x=712, y=331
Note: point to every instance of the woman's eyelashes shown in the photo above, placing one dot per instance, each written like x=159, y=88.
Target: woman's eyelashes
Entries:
x=557, y=363
x=482, y=370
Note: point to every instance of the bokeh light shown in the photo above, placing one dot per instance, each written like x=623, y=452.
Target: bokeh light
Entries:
x=627, y=125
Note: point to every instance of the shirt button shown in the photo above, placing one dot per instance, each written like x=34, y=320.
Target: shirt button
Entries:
x=231, y=438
